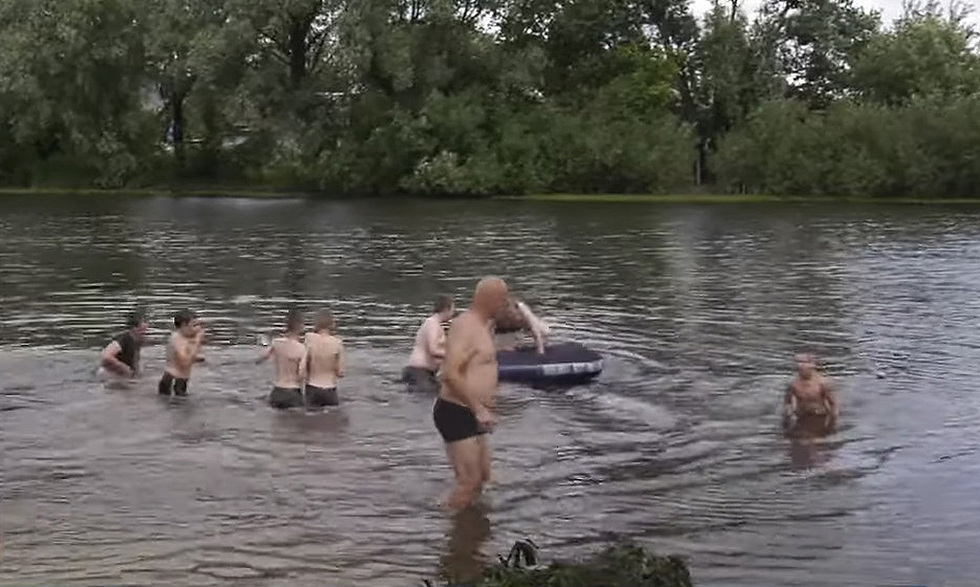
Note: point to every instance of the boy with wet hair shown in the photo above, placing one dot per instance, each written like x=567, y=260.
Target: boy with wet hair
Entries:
x=325, y=362
x=290, y=362
x=183, y=350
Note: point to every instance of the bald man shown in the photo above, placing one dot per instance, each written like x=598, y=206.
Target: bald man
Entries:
x=468, y=392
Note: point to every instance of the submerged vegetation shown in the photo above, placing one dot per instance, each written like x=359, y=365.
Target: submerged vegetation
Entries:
x=481, y=97
x=620, y=565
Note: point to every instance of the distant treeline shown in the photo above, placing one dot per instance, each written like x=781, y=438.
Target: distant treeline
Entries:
x=474, y=97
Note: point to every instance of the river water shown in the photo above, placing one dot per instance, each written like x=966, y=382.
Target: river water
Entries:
x=678, y=445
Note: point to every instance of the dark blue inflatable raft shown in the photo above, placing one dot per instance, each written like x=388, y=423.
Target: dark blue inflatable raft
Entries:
x=565, y=363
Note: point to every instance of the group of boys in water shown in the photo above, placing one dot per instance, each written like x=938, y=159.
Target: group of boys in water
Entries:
x=460, y=366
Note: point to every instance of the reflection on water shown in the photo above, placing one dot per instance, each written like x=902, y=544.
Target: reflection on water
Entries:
x=464, y=557
x=679, y=444
x=808, y=444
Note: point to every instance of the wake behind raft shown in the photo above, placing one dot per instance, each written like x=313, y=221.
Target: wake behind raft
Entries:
x=566, y=364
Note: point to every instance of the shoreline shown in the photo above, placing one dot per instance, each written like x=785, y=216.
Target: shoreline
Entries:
x=235, y=193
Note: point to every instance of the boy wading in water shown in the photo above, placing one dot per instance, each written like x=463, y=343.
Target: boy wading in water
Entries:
x=182, y=352
x=810, y=395
x=325, y=362
x=121, y=357
x=290, y=360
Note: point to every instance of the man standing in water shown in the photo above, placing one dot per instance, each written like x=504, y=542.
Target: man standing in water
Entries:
x=469, y=387
x=290, y=359
x=121, y=357
x=325, y=362
x=182, y=352
x=810, y=393
x=430, y=349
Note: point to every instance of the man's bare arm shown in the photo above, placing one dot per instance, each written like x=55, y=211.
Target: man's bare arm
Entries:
x=539, y=330
x=265, y=355
x=304, y=364
x=460, y=350
x=830, y=398
x=435, y=340
x=789, y=401
x=341, y=359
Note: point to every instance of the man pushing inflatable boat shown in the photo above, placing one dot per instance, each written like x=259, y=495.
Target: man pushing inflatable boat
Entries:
x=518, y=359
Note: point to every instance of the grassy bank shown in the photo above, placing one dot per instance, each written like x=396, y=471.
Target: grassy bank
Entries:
x=566, y=198
x=154, y=192
x=730, y=199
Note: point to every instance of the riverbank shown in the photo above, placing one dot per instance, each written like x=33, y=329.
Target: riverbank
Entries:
x=729, y=199
x=700, y=198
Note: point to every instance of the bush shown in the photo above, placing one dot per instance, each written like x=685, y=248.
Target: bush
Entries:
x=620, y=565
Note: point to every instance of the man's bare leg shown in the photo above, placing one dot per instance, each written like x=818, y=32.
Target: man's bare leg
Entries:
x=465, y=458
x=486, y=474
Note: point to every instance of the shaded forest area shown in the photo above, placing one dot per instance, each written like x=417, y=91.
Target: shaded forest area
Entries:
x=477, y=97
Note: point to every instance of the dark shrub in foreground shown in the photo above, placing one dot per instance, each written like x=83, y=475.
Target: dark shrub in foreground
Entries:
x=622, y=565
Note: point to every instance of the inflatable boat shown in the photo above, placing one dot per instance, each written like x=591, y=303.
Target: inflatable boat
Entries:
x=565, y=363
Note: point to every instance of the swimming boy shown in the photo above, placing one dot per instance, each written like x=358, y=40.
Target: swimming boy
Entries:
x=513, y=322
x=121, y=357
x=430, y=349
x=290, y=360
x=182, y=352
x=810, y=393
x=325, y=362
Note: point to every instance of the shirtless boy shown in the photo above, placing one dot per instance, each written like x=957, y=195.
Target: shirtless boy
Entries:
x=469, y=387
x=430, y=349
x=121, y=357
x=810, y=393
x=182, y=352
x=290, y=360
x=325, y=362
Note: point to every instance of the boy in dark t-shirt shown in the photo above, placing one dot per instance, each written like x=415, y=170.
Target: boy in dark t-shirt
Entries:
x=121, y=357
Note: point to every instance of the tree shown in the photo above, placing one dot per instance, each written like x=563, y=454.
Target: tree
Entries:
x=926, y=54
x=190, y=45
x=72, y=90
x=812, y=44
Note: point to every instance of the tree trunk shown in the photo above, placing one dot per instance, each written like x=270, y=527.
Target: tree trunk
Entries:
x=177, y=122
x=298, y=30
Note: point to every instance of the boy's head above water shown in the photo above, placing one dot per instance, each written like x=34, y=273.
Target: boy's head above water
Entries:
x=325, y=321
x=138, y=323
x=444, y=307
x=186, y=322
x=806, y=364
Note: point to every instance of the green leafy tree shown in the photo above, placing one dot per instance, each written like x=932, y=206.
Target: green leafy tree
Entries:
x=926, y=54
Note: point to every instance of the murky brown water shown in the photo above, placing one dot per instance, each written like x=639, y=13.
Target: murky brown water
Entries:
x=678, y=444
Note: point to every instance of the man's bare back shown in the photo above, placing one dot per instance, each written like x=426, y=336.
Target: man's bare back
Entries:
x=326, y=359
x=288, y=354
x=430, y=343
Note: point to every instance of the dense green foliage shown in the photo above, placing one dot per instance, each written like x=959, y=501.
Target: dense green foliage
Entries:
x=473, y=97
